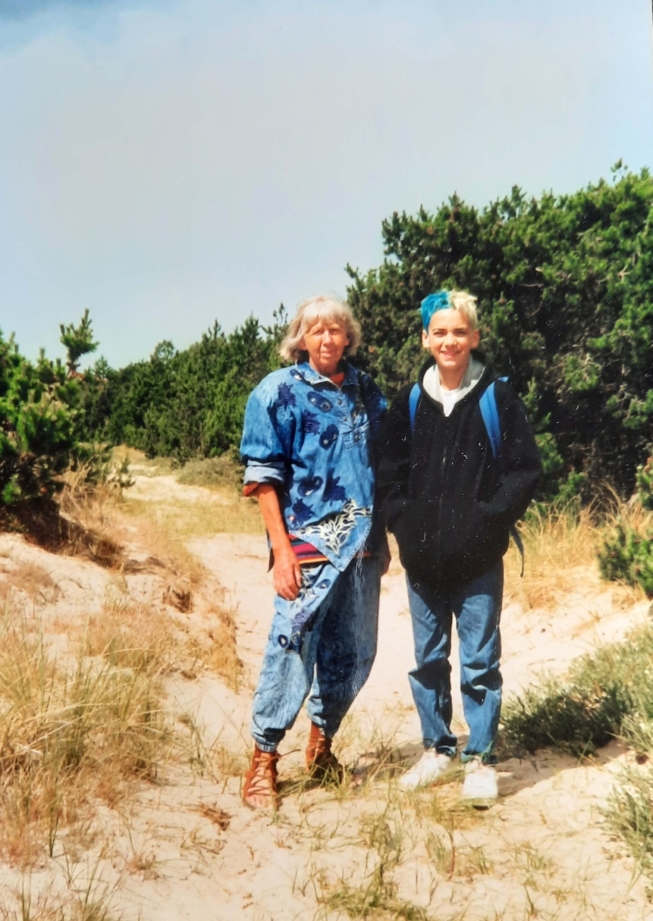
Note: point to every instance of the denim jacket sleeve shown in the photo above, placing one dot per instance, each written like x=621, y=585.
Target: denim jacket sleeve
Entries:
x=262, y=447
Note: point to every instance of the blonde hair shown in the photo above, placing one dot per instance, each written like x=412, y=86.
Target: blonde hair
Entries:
x=322, y=307
x=465, y=303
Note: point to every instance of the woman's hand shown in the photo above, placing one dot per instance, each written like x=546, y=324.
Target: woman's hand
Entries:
x=286, y=574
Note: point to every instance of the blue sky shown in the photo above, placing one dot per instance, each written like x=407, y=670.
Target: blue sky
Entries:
x=170, y=163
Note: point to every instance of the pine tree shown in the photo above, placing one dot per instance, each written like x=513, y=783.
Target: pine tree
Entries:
x=37, y=425
x=78, y=341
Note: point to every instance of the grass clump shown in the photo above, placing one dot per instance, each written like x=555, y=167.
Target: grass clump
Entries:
x=601, y=696
x=630, y=815
x=213, y=472
x=71, y=730
x=557, y=543
x=629, y=812
x=626, y=554
x=377, y=896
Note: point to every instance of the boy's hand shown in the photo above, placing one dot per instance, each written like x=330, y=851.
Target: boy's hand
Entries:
x=286, y=574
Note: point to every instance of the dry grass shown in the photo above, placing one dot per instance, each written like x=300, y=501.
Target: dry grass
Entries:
x=71, y=731
x=221, y=512
x=91, y=902
x=26, y=579
x=92, y=728
x=90, y=725
x=213, y=473
x=151, y=537
x=136, y=637
x=209, y=501
x=561, y=550
x=145, y=638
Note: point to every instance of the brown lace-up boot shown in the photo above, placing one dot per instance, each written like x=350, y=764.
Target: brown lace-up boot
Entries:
x=260, y=786
x=322, y=764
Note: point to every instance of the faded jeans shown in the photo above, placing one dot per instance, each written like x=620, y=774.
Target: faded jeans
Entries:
x=333, y=658
x=477, y=608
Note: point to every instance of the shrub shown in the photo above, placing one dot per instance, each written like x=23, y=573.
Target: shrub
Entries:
x=644, y=480
x=564, y=287
x=627, y=556
x=182, y=404
x=627, y=551
x=37, y=425
x=603, y=696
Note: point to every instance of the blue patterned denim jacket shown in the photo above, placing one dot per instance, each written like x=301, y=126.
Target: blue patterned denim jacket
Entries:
x=316, y=442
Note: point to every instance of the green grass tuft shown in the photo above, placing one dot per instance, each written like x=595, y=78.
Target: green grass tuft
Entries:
x=597, y=701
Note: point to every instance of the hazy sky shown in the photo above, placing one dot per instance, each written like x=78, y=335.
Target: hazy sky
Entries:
x=170, y=163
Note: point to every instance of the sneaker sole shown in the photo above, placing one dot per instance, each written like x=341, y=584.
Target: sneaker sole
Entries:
x=447, y=776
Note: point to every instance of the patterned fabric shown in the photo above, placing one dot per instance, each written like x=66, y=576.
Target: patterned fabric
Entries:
x=314, y=441
x=321, y=646
x=307, y=554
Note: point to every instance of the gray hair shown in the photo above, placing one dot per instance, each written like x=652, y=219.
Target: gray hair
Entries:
x=322, y=307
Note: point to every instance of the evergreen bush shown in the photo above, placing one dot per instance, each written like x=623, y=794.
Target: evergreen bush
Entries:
x=565, y=289
x=183, y=404
x=37, y=425
x=627, y=556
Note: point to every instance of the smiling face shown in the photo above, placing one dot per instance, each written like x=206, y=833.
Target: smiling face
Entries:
x=450, y=339
x=325, y=341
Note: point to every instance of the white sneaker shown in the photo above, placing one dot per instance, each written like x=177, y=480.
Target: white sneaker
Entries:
x=480, y=782
x=430, y=767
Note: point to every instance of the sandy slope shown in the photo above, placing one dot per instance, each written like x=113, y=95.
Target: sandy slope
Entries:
x=189, y=849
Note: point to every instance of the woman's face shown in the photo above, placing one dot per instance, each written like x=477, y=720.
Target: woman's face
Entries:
x=325, y=341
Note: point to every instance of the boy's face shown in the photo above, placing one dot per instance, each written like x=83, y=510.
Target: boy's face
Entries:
x=450, y=339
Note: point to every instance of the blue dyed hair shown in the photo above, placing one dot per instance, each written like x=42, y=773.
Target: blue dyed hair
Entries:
x=441, y=300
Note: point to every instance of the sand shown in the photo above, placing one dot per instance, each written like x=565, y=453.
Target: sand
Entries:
x=189, y=848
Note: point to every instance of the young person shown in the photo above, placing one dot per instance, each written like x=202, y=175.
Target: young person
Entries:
x=451, y=504
x=308, y=450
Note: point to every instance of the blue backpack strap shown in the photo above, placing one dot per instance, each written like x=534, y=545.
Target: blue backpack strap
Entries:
x=413, y=400
x=490, y=413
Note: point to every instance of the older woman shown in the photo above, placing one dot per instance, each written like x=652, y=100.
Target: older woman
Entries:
x=308, y=452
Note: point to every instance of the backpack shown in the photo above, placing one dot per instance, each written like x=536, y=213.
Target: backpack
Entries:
x=488, y=406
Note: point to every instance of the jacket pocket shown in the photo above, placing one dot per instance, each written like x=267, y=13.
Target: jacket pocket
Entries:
x=416, y=532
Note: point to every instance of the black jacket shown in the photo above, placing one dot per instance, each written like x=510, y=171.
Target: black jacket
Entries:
x=447, y=499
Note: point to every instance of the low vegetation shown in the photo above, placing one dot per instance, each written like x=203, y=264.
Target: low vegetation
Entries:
x=89, y=730
x=74, y=729
x=626, y=553
x=603, y=695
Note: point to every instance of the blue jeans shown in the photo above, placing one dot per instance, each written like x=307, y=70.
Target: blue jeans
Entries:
x=477, y=607
x=328, y=663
